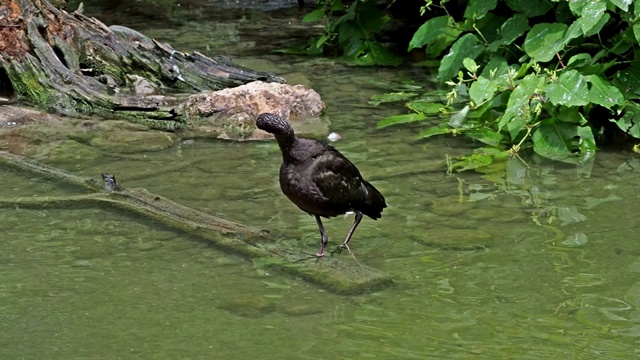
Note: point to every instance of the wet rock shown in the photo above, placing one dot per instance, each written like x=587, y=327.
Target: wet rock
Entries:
x=141, y=86
x=12, y=116
x=296, y=78
x=250, y=306
x=121, y=137
x=19, y=127
x=450, y=206
x=231, y=113
x=71, y=150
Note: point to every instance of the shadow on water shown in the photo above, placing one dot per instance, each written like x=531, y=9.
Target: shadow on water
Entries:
x=531, y=262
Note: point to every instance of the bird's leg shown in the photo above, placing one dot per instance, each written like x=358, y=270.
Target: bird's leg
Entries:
x=345, y=244
x=324, y=239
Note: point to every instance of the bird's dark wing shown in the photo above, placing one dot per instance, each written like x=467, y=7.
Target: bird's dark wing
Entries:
x=338, y=178
x=336, y=183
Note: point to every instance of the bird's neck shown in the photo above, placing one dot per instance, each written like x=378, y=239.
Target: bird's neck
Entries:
x=287, y=142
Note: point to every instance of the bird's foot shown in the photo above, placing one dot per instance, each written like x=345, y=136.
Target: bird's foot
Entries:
x=344, y=246
x=310, y=256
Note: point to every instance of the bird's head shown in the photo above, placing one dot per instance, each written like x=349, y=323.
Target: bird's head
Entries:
x=274, y=124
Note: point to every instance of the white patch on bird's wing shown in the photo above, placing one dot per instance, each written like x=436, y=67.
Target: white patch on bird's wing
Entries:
x=325, y=174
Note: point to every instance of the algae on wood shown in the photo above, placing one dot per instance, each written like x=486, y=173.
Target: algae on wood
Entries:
x=74, y=64
x=337, y=273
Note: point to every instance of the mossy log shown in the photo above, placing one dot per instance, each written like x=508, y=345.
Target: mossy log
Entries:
x=73, y=64
x=340, y=274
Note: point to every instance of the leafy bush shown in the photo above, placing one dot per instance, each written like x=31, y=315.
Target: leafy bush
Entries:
x=530, y=74
x=352, y=32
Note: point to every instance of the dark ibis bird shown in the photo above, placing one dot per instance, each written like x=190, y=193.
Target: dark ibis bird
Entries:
x=320, y=180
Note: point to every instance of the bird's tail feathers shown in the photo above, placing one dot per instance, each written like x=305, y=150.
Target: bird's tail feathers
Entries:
x=375, y=202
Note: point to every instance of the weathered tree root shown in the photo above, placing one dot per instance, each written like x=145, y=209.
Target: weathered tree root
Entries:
x=75, y=65
x=339, y=274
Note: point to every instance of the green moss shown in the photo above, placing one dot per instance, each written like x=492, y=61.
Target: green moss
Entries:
x=238, y=129
x=28, y=84
x=167, y=125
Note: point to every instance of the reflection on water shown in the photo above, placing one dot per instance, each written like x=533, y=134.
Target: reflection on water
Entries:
x=528, y=262
x=500, y=276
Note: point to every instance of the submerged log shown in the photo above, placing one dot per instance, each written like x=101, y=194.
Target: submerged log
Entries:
x=341, y=274
x=73, y=64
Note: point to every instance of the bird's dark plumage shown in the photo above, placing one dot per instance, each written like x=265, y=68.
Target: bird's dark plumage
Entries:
x=320, y=180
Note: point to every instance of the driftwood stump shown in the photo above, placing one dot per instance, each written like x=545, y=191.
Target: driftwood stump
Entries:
x=73, y=64
x=340, y=274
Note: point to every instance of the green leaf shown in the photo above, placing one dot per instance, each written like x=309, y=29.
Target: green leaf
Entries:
x=482, y=89
x=315, y=15
x=484, y=114
x=391, y=97
x=373, y=53
x=561, y=141
x=575, y=240
x=549, y=142
x=400, y=119
x=628, y=80
x=570, y=114
x=370, y=17
x=477, y=9
x=468, y=46
x=587, y=141
x=579, y=60
x=576, y=6
x=598, y=26
x=336, y=5
x=458, y=118
x=472, y=162
x=636, y=31
x=432, y=131
x=442, y=43
x=323, y=39
x=574, y=31
x=544, y=41
x=510, y=30
x=489, y=26
x=427, y=108
x=569, y=215
x=622, y=4
x=350, y=37
x=518, y=124
x=591, y=14
x=470, y=65
x=500, y=69
x=530, y=8
x=429, y=32
x=519, y=99
x=591, y=202
x=630, y=122
x=486, y=136
x=571, y=90
x=603, y=93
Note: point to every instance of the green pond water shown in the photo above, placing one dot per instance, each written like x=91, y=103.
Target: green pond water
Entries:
x=538, y=262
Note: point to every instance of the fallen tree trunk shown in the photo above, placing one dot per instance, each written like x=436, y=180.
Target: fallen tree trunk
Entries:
x=73, y=64
x=337, y=273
